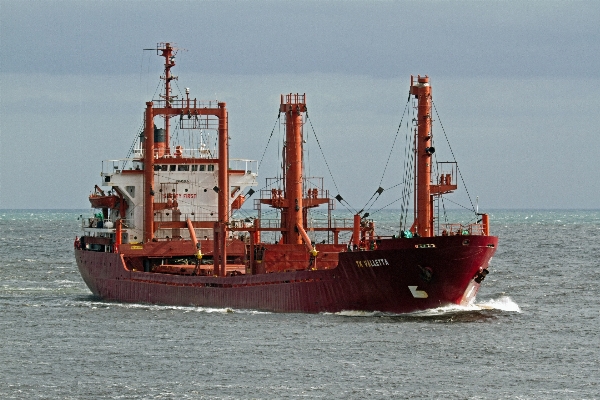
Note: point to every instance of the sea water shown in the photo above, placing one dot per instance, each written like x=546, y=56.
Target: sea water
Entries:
x=532, y=333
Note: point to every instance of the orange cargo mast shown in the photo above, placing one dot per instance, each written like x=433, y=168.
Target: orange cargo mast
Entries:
x=294, y=105
x=424, y=200
x=293, y=202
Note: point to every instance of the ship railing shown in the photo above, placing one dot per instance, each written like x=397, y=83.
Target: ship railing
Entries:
x=313, y=188
x=445, y=174
x=314, y=182
x=185, y=103
x=342, y=222
x=240, y=223
x=115, y=166
x=192, y=216
x=460, y=229
x=295, y=98
x=270, y=223
x=95, y=222
x=177, y=151
x=334, y=223
x=202, y=217
x=95, y=225
x=310, y=193
x=241, y=164
x=174, y=152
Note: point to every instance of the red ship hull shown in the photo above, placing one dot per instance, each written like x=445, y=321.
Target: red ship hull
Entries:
x=402, y=275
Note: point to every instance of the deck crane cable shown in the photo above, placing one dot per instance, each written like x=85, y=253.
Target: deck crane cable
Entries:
x=394, y=142
x=178, y=88
x=368, y=206
x=408, y=173
x=280, y=154
x=338, y=197
x=397, y=184
x=305, y=150
x=244, y=212
x=389, y=204
x=140, y=131
x=452, y=152
x=406, y=189
x=444, y=209
x=141, y=128
x=460, y=205
x=380, y=189
x=268, y=141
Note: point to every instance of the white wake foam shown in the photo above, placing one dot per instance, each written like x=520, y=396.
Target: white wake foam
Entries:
x=504, y=303
x=350, y=313
x=185, y=309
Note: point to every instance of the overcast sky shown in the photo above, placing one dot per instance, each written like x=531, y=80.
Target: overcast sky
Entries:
x=516, y=86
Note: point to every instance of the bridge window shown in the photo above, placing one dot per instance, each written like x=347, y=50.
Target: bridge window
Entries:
x=183, y=168
x=203, y=168
x=211, y=167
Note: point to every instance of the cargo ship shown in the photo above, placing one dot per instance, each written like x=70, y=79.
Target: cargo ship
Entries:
x=162, y=230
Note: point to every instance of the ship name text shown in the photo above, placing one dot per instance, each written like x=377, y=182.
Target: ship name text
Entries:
x=372, y=263
x=184, y=195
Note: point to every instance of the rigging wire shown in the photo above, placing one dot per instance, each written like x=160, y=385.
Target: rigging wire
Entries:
x=268, y=141
x=338, y=197
x=307, y=147
x=280, y=154
x=395, y=138
x=389, y=204
x=460, y=205
x=139, y=132
x=452, y=152
x=380, y=189
x=408, y=172
x=444, y=209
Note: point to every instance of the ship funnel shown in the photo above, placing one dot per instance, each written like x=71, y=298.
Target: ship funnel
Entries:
x=159, y=141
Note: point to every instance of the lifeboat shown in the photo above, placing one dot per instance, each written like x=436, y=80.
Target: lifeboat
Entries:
x=99, y=201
